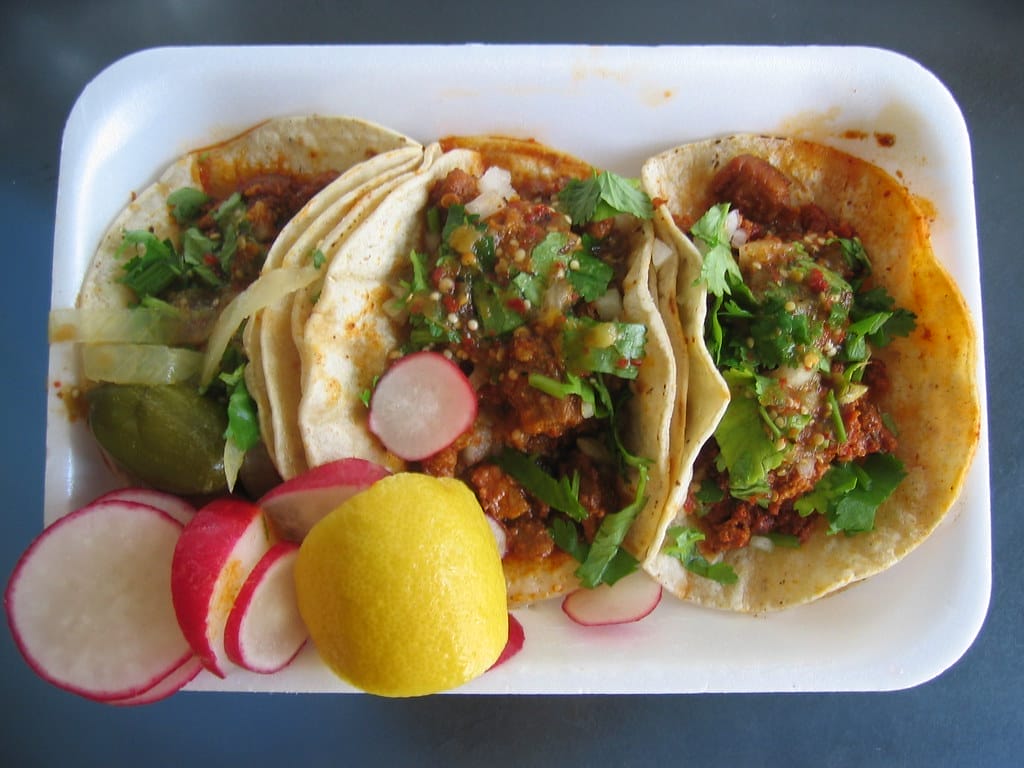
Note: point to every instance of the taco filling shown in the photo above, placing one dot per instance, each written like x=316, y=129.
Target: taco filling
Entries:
x=804, y=445
x=527, y=300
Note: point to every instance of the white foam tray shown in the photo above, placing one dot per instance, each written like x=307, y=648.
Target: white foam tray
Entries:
x=614, y=106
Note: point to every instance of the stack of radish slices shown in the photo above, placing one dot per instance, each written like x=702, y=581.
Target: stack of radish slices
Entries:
x=127, y=599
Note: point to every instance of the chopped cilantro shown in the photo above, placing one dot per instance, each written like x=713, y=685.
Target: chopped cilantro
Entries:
x=243, y=424
x=719, y=270
x=561, y=494
x=186, y=203
x=155, y=268
x=685, y=550
x=747, y=451
x=573, y=385
x=709, y=492
x=603, y=195
x=318, y=258
x=849, y=494
x=497, y=308
x=618, y=357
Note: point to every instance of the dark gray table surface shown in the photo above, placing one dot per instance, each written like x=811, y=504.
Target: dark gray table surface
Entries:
x=973, y=714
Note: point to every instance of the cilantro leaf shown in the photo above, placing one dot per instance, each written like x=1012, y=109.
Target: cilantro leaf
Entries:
x=567, y=538
x=573, y=385
x=243, y=424
x=579, y=199
x=589, y=275
x=561, y=493
x=849, y=494
x=685, y=550
x=494, y=308
x=622, y=195
x=747, y=451
x=186, y=203
x=854, y=254
x=150, y=272
x=603, y=195
x=611, y=348
x=718, y=270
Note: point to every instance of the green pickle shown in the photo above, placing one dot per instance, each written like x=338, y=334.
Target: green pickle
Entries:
x=167, y=436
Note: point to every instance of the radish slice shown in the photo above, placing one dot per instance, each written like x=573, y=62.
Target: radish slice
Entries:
x=296, y=505
x=421, y=404
x=214, y=555
x=629, y=599
x=89, y=602
x=516, y=638
x=170, y=685
x=174, y=506
x=264, y=631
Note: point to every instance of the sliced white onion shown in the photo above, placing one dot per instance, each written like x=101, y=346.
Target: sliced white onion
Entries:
x=264, y=291
x=140, y=363
x=137, y=325
x=499, y=535
x=233, y=458
x=495, y=190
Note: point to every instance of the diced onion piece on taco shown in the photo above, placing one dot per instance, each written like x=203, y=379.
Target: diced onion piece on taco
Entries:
x=266, y=290
x=140, y=363
x=137, y=325
x=421, y=404
x=495, y=191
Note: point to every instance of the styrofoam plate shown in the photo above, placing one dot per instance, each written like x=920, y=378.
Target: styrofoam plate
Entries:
x=613, y=106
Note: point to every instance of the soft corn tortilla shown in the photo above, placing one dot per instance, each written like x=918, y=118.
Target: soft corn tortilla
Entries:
x=357, y=149
x=269, y=336
x=933, y=399
x=349, y=336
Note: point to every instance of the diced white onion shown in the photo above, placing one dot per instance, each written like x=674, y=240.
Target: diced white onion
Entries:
x=762, y=543
x=798, y=377
x=662, y=253
x=266, y=290
x=495, y=190
x=137, y=325
x=609, y=306
x=140, y=363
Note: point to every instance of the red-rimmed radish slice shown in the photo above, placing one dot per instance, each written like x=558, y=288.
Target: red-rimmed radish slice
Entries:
x=421, y=404
x=215, y=553
x=174, y=506
x=516, y=638
x=629, y=599
x=264, y=631
x=170, y=685
x=89, y=602
x=296, y=505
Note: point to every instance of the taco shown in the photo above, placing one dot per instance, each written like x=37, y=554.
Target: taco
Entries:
x=514, y=260
x=832, y=410
x=174, y=278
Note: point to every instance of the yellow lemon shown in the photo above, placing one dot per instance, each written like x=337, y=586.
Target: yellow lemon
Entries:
x=402, y=588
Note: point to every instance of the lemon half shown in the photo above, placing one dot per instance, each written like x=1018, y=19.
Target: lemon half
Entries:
x=402, y=587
